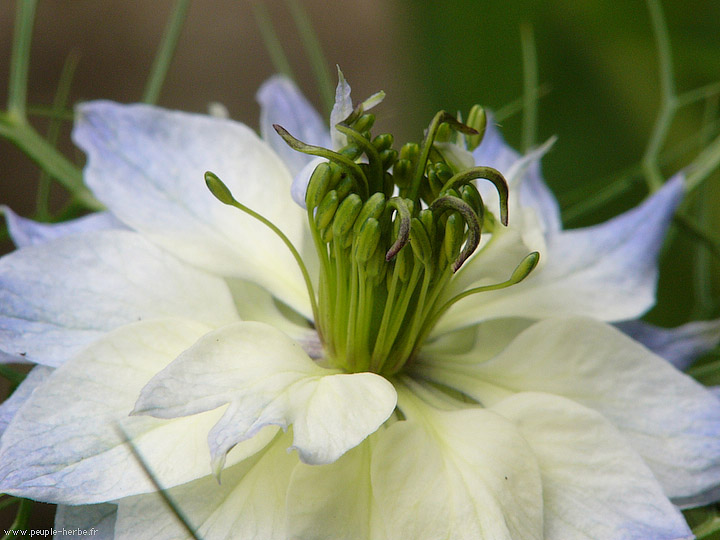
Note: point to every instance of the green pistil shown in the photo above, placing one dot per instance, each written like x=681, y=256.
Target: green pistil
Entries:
x=391, y=229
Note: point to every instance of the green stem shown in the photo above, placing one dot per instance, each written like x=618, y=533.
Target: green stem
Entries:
x=668, y=103
x=270, y=39
x=48, y=159
x=21, y=519
x=165, y=53
x=20, y=59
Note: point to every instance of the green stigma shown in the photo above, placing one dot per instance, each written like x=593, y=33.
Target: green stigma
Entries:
x=391, y=229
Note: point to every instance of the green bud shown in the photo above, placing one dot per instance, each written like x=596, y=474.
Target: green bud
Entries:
x=388, y=158
x=364, y=123
x=346, y=215
x=404, y=264
x=420, y=242
x=373, y=208
x=352, y=151
x=326, y=210
x=454, y=236
x=318, y=185
x=383, y=142
x=470, y=194
x=402, y=172
x=410, y=151
x=428, y=221
x=344, y=187
x=367, y=240
x=376, y=267
x=477, y=120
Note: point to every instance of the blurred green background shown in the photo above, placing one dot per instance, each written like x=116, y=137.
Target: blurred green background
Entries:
x=597, y=66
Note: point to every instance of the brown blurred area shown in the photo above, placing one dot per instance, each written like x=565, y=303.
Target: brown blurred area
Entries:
x=220, y=58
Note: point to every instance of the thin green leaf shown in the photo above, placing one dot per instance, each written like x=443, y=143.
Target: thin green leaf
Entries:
x=312, y=47
x=60, y=101
x=20, y=59
x=271, y=40
x=21, y=520
x=165, y=53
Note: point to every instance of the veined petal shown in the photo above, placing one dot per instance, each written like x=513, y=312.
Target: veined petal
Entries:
x=268, y=379
x=250, y=503
x=531, y=190
x=670, y=420
x=281, y=102
x=335, y=500
x=680, y=345
x=341, y=110
x=63, y=446
x=58, y=297
x=594, y=485
x=460, y=474
x=96, y=521
x=608, y=271
x=37, y=376
x=26, y=232
x=147, y=166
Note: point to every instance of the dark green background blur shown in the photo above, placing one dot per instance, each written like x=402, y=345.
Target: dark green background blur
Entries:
x=597, y=64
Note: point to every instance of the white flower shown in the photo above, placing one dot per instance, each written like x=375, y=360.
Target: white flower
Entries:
x=523, y=415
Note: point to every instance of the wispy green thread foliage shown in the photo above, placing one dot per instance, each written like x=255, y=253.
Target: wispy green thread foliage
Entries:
x=20, y=60
x=271, y=40
x=312, y=47
x=166, y=51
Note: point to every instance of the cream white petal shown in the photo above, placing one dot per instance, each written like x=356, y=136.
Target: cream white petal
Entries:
x=335, y=500
x=147, y=166
x=267, y=379
x=594, y=485
x=96, y=521
x=250, y=503
x=63, y=445
x=57, y=297
x=460, y=474
x=669, y=419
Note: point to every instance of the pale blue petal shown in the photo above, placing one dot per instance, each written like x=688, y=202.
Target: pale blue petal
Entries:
x=281, y=102
x=26, y=232
x=680, y=345
x=96, y=521
x=342, y=108
x=147, y=165
x=532, y=191
x=57, y=297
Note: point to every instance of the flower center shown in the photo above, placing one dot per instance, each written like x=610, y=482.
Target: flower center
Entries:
x=390, y=230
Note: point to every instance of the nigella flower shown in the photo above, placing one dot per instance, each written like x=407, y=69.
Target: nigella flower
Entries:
x=392, y=361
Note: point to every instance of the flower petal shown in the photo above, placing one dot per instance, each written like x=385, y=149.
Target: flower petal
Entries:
x=92, y=520
x=594, y=485
x=63, y=445
x=60, y=296
x=608, y=271
x=147, y=166
x=268, y=379
x=37, y=376
x=670, y=420
x=26, y=232
x=460, y=474
x=681, y=345
x=281, y=102
x=250, y=503
x=342, y=108
x=532, y=192
x=335, y=500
